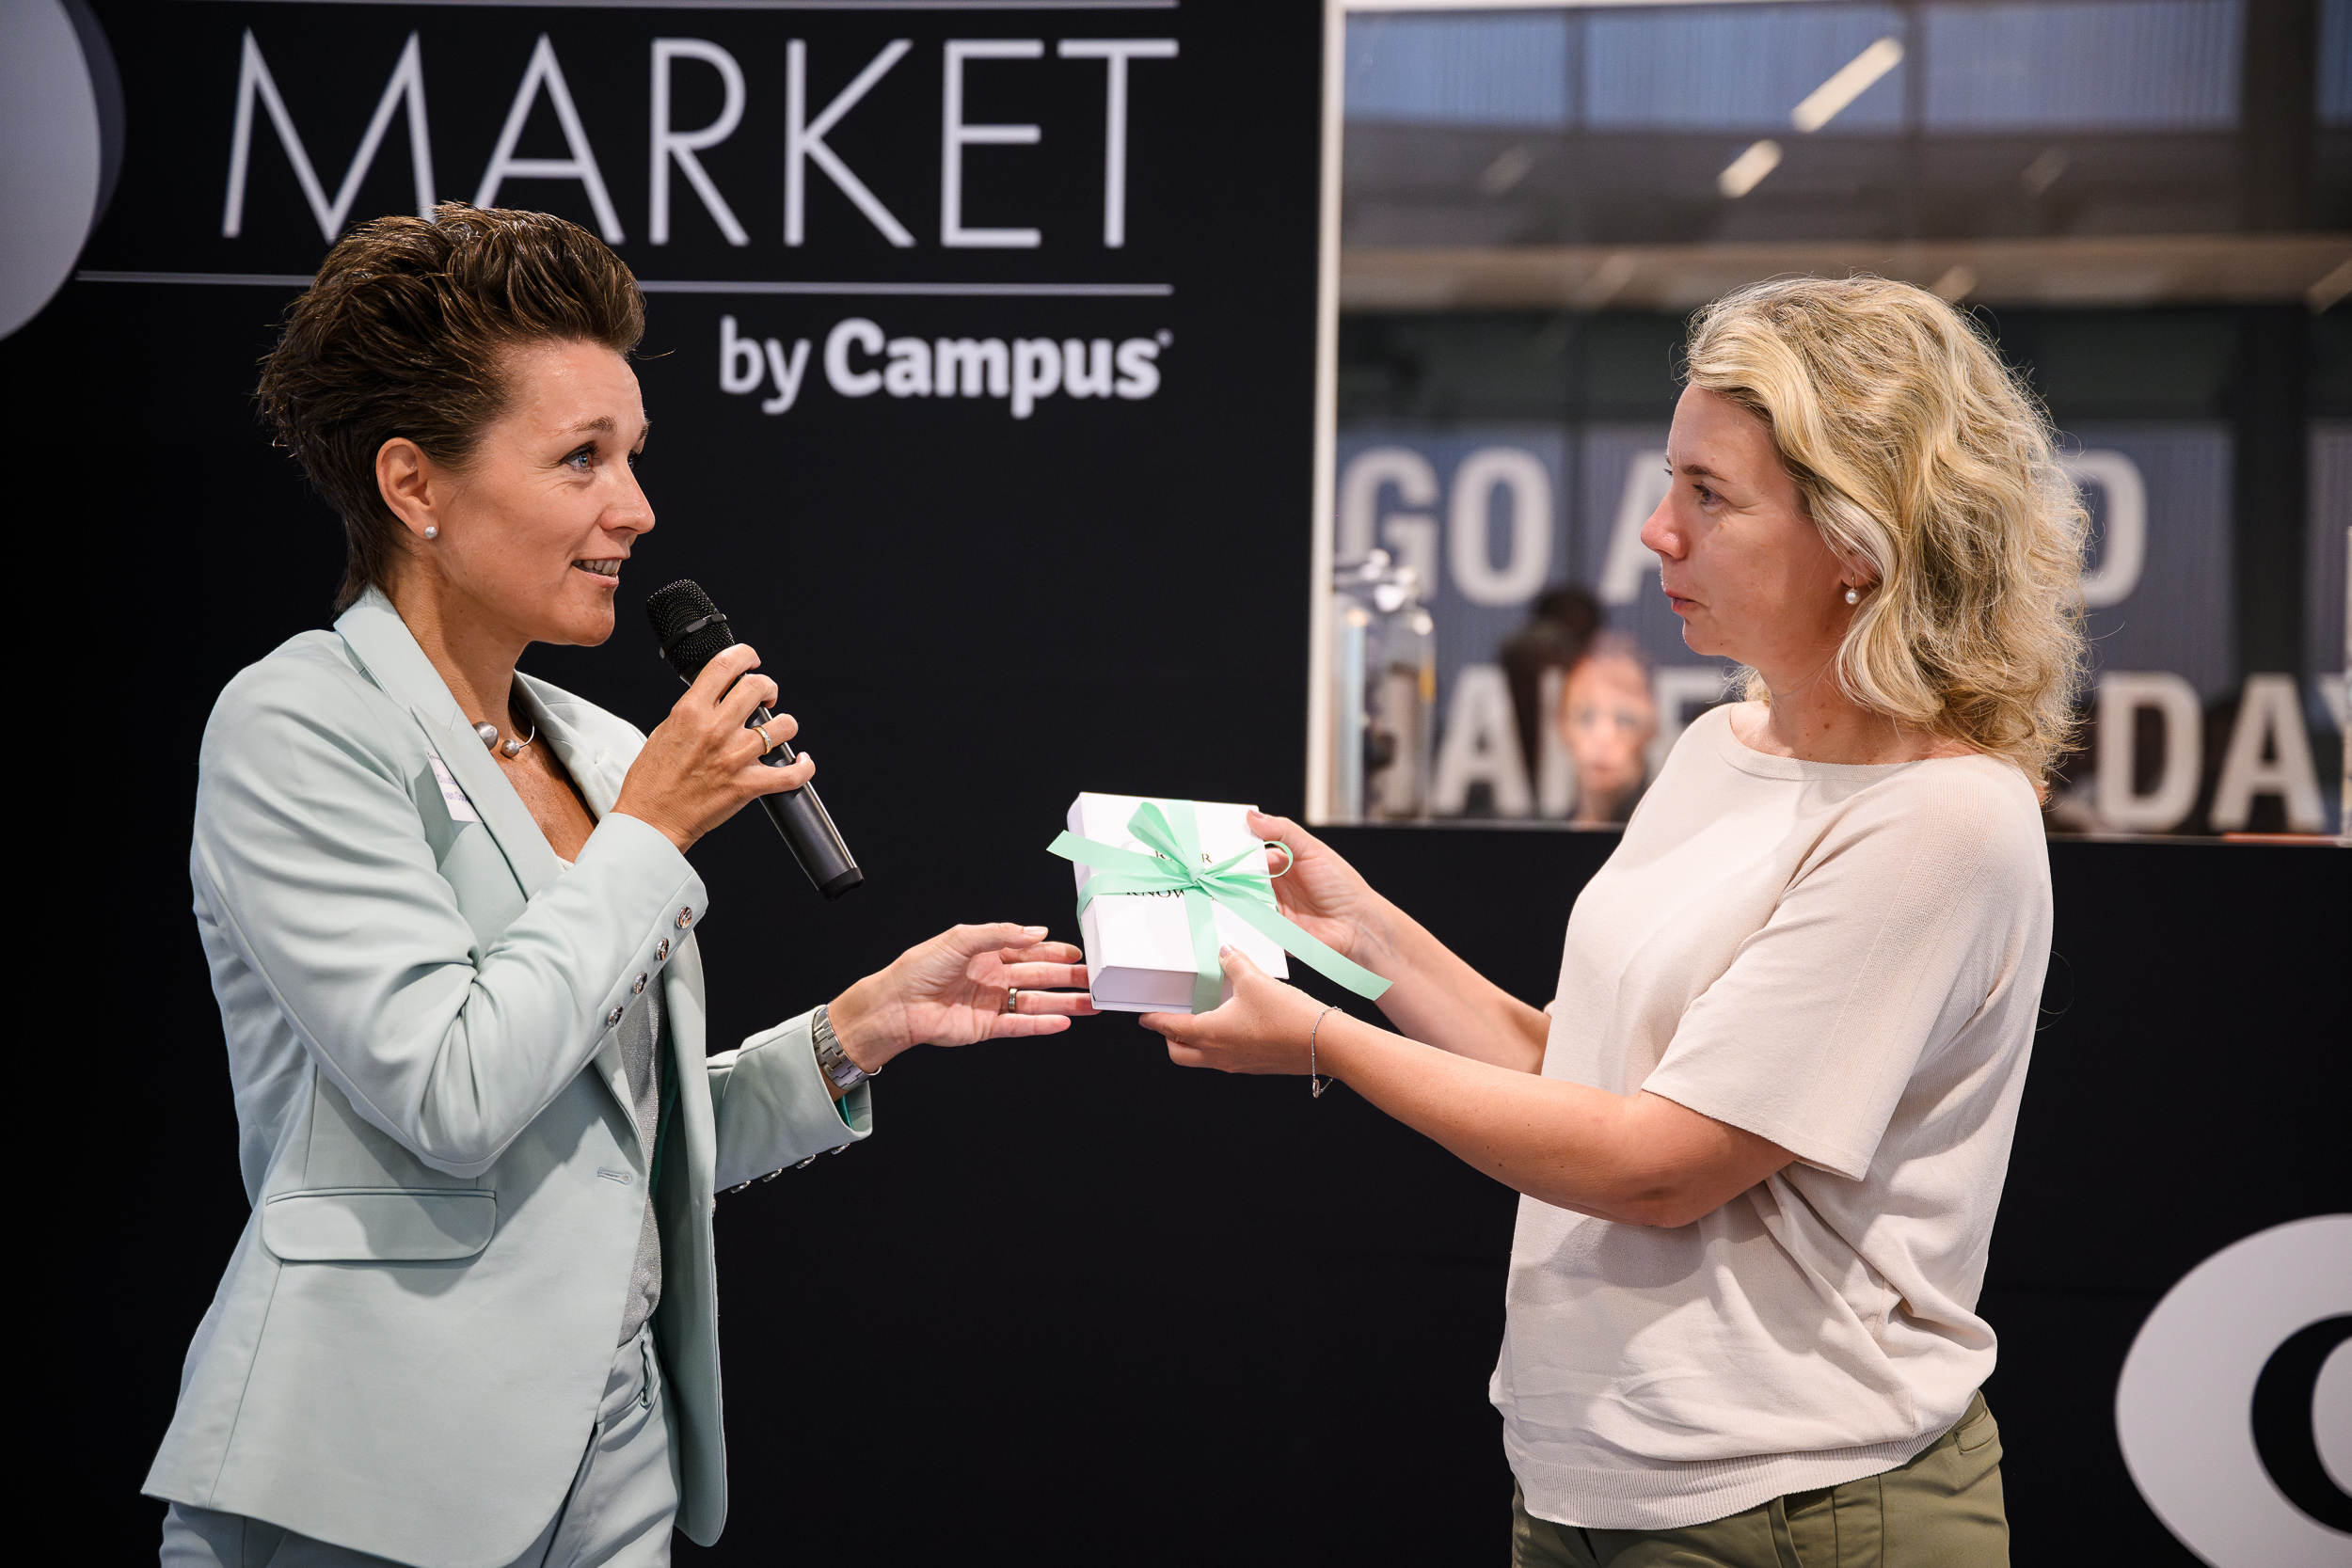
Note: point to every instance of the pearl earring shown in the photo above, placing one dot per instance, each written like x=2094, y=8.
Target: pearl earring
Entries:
x=432, y=532
x=1854, y=595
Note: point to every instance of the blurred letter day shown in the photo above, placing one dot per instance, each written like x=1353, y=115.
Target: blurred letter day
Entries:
x=1501, y=649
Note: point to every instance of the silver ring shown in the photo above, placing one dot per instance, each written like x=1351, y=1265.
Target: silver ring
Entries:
x=763, y=735
x=1013, y=997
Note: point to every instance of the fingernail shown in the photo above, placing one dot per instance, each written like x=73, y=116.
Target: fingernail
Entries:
x=1034, y=930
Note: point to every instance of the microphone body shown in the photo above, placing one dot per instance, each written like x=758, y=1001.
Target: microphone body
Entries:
x=693, y=632
x=802, y=820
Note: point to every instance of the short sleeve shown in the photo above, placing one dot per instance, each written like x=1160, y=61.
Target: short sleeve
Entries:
x=1890, y=937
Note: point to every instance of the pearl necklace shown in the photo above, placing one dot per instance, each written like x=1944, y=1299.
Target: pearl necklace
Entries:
x=489, y=735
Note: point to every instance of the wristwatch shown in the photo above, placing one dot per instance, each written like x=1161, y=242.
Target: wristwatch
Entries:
x=834, y=1062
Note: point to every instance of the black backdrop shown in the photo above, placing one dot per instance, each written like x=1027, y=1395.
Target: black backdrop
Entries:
x=1072, y=1303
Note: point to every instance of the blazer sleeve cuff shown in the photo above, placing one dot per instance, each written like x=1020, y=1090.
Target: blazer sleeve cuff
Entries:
x=773, y=1108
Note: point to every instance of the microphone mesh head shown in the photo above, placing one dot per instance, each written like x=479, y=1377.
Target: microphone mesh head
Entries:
x=674, y=609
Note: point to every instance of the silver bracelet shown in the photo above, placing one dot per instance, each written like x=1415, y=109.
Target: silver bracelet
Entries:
x=1315, y=1085
x=834, y=1062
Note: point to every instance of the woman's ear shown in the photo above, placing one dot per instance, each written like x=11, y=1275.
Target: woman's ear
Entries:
x=1855, y=570
x=404, y=477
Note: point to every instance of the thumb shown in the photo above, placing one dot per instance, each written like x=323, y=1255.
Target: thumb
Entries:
x=1282, y=830
x=1267, y=825
x=1174, y=1027
x=1238, y=965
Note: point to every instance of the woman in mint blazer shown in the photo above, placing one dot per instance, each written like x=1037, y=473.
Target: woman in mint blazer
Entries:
x=472, y=1319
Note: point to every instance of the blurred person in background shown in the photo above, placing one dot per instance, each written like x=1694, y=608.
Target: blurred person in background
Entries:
x=1761, y=1130
x=1562, y=620
x=1608, y=716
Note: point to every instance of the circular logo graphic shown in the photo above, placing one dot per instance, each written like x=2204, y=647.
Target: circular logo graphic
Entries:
x=2235, y=1410
x=60, y=144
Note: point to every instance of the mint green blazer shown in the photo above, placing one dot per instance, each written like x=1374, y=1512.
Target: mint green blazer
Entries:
x=406, y=1352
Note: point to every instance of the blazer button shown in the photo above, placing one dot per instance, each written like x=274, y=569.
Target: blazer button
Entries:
x=663, y=951
x=613, y=1018
x=685, y=917
x=639, y=989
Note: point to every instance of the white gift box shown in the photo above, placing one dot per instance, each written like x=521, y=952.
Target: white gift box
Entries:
x=1138, y=945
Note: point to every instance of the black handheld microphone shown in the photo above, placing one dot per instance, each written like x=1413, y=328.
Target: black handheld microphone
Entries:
x=693, y=633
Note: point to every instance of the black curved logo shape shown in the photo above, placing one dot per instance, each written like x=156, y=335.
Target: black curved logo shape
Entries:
x=2282, y=1422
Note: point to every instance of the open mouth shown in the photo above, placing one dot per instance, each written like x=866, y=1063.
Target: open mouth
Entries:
x=608, y=567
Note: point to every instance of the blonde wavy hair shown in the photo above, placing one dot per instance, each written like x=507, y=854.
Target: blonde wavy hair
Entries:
x=1923, y=457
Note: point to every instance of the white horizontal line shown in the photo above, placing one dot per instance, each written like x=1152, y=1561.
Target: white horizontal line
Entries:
x=701, y=286
x=247, y=279
x=782, y=4
x=1079, y=291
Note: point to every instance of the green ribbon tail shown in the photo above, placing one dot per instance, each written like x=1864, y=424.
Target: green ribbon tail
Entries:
x=1208, y=970
x=1312, y=951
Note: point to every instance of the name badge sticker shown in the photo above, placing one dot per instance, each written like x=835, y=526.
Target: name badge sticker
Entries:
x=460, y=809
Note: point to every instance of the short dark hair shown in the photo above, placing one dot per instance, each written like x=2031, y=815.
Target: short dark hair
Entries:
x=403, y=333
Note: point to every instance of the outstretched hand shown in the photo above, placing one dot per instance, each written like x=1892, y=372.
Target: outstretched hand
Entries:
x=1264, y=1028
x=951, y=991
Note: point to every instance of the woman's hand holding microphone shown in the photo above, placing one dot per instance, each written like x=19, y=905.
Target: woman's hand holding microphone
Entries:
x=700, y=767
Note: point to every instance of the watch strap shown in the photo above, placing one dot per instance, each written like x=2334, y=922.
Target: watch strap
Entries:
x=832, y=1060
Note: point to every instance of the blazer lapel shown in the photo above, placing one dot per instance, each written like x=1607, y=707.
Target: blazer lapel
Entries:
x=375, y=631
x=592, y=768
x=600, y=783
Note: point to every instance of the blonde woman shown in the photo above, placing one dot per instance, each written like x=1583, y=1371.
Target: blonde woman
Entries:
x=1761, y=1130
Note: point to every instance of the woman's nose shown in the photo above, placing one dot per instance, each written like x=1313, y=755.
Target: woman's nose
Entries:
x=1658, y=534
x=631, y=510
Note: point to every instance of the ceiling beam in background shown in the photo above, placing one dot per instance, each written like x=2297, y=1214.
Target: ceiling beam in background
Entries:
x=2136, y=269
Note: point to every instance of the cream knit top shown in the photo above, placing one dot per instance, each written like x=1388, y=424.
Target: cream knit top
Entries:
x=1846, y=960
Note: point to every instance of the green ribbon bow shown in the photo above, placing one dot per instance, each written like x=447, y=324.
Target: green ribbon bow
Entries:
x=1178, y=865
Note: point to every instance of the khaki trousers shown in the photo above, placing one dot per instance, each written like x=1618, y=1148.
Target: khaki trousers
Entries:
x=1942, y=1510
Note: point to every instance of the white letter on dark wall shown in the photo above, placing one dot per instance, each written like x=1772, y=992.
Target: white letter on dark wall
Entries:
x=2269, y=718
x=580, y=165
x=2123, y=548
x=1520, y=475
x=2123, y=695
x=1411, y=534
x=955, y=135
x=738, y=359
x=1117, y=53
x=253, y=78
x=787, y=368
x=804, y=140
x=861, y=333
x=1482, y=746
x=683, y=145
